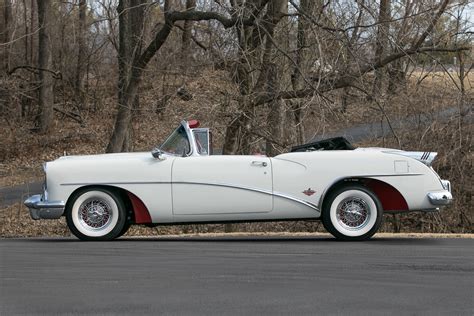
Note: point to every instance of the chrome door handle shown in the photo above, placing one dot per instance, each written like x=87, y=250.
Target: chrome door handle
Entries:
x=259, y=163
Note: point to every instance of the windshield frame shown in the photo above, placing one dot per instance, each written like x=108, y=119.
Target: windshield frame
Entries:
x=189, y=138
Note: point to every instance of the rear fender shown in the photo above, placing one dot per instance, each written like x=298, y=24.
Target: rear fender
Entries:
x=390, y=198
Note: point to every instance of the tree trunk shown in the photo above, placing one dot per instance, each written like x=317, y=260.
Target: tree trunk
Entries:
x=25, y=40
x=302, y=63
x=5, y=27
x=46, y=97
x=276, y=111
x=381, y=46
x=131, y=17
x=396, y=76
x=238, y=136
x=31, y=35
x=81, y=55
x=187, y=30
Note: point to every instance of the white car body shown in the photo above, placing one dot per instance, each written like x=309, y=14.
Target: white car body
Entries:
x=167, y=188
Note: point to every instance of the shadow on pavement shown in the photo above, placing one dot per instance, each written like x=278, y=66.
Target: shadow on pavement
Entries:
x=244, y=239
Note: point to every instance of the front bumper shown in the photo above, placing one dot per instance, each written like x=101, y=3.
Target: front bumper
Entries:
x=40, y=209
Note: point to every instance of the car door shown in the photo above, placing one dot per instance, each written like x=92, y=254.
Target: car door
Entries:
x=221, y=185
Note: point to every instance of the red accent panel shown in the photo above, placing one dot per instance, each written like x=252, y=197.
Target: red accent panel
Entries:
x=193, y=123
x=391, y=199
x=141, y=212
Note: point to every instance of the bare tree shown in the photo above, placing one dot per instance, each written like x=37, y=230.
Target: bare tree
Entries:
x=271, y=76
x=46, y=96
x=131, y=17
x=128, y=85
x=302, y=59
x=81, y=54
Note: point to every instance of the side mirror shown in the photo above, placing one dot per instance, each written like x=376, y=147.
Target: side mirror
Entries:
x=158, y=154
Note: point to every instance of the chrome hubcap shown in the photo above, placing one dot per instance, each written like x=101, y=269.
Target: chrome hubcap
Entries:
x=95, y=214
x=353, y=213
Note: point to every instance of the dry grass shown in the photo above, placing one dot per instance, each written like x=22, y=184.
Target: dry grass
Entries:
x=16, y=222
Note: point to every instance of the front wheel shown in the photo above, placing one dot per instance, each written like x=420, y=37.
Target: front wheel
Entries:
x=352, y=213
x=96, y=214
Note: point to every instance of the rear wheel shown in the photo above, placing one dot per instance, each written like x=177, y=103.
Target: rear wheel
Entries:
x=125, y=229
x=96, y=214
x=352, y=213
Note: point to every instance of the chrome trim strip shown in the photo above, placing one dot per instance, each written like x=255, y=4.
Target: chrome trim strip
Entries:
x=210, y=214
x=289, y=197
x=169, y=182
x=191, y=140
x=278, y=194
x=112, y=183
x=388, y=175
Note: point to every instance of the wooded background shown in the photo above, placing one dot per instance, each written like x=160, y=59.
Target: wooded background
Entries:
x=89, y=76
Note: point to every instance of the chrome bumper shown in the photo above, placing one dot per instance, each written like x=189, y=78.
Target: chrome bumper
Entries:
x=440, y=197
x=40, y=209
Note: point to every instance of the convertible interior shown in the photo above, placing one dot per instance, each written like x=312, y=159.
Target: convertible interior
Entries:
x=178, y=142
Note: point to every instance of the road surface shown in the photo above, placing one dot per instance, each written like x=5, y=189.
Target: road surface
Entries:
x=237, y=276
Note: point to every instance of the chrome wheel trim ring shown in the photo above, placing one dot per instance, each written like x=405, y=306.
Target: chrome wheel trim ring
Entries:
x=353, y=213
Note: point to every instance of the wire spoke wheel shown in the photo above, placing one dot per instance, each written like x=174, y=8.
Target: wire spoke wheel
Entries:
x=96, y=214
x=352, y=213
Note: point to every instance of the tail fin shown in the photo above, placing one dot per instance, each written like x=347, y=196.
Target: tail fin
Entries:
x=425, y=157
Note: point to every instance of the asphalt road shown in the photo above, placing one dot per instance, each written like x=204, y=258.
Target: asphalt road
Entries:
x=17, y=193
x=361, y=132
x=237, y=275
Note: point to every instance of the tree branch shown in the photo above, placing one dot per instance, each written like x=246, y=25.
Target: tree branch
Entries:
x=194, y=15
x=346, y=80
x=195, y=40
x=190, y=15
x=432, y=24
x=36, y=70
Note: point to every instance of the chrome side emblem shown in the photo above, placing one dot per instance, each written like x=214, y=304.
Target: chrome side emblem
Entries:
x=309, y=192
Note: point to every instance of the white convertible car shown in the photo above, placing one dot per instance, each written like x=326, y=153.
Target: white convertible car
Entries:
x=182, y=182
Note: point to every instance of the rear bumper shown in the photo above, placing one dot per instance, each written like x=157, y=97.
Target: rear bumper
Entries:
x=440, y=198
x=40, y=209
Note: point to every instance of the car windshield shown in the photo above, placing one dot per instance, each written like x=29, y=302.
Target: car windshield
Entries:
x=177, y=143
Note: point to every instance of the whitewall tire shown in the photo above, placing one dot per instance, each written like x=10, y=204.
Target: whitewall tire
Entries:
x=352, y=213
x=96, y=214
